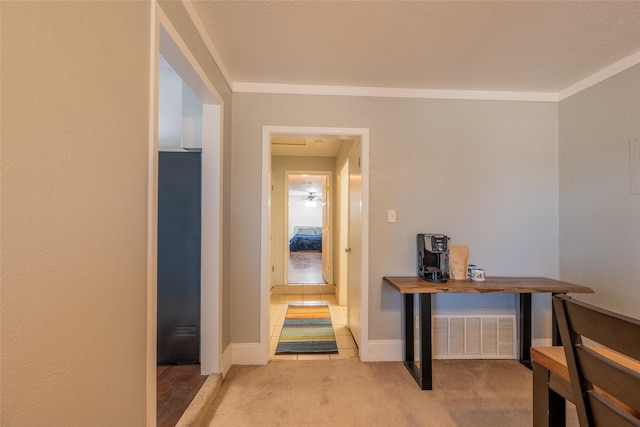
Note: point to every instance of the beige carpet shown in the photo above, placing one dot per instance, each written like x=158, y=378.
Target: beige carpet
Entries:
x=351, y=393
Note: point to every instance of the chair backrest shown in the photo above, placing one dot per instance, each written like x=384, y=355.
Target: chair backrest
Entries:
x=605, y=383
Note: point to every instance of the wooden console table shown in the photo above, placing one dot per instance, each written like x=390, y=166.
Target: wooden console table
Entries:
x=524, y=286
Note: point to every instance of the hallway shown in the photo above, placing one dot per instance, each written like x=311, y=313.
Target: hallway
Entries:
x=279, y=302
x=305, y=268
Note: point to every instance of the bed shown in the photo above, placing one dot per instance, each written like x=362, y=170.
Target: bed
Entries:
x=306, y=239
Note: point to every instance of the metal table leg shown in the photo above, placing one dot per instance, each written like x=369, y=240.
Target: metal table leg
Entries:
x=525, y=330
x=422, y=373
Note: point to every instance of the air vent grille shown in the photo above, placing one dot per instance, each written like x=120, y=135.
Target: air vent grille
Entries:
x=474, y=337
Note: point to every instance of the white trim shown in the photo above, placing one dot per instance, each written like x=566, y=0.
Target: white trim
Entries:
x=365, y=355
x=392, y=350
x=265, y=262
x=152, y=221
x=247, y=354
x=211, y=240
x=265, y=259
x=386, y=351
x=204, y=35
x=600, y=76
x=210, y=95
x=482, y=95
x=227, y=360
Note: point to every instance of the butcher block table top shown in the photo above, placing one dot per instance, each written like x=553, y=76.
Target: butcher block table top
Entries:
x=522, y=285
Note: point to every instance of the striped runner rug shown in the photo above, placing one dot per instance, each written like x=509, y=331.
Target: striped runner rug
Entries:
x=307, y=329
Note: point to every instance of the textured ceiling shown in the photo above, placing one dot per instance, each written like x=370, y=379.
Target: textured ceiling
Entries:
x=530, y=46
x=305, y=185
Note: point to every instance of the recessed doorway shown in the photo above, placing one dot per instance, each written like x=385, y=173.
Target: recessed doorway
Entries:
x=279, y=145
x=184, y=128
x=308, y=228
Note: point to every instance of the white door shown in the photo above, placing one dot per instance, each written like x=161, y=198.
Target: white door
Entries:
x=354, y=285
x=344, y=234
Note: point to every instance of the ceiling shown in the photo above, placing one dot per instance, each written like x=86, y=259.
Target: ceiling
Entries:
x=304, y=185
x=305, y=145
x=515, y=46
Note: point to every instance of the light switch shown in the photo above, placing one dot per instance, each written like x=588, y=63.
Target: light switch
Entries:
x=391, y=215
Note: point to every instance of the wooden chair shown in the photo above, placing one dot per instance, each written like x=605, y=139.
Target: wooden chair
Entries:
x=606, y=393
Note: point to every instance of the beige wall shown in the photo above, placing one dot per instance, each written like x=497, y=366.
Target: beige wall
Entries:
x=599, y=217
x=484, y=172
x=278, y=166
x=75, y=149
x=75, y=119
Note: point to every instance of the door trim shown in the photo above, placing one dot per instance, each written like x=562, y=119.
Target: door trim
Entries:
x=176, y=52
x=265, y=227
x=165, y=39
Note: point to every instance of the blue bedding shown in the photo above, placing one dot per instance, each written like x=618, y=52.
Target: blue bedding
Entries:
x=307, y=243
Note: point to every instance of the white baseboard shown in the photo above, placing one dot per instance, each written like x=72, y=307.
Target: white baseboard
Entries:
x=392, y=350
x=383, y=351
x=227, y=360
x=378, y=351
x=247, y=354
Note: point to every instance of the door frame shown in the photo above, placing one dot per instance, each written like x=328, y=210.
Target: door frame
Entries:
x=342, y=196
x=166, y=41
x=265, y=227
x=329, y=219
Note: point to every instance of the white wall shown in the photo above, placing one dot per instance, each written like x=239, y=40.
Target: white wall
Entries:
x=300, y=213
x=599, y=217
x=483, y=172
x=179, y=111
x=191, y=118
x=169, y=106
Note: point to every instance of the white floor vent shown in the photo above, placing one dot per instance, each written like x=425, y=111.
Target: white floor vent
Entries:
x=474, y=337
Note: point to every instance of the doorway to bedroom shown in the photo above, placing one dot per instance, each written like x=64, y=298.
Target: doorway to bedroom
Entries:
x=308, y=227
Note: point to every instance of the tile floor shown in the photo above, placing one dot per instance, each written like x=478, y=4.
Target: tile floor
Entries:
x=279, y=303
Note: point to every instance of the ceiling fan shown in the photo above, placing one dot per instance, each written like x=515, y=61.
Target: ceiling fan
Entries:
x=312, y=196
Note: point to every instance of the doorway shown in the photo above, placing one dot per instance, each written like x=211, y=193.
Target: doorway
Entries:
x=208, y=131
x=308, y=228
x=189, y=134
x=360, y=277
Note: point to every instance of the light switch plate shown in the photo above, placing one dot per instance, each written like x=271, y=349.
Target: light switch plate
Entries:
x=391, y=215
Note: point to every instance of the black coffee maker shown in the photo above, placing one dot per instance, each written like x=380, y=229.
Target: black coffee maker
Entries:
x=433, y=257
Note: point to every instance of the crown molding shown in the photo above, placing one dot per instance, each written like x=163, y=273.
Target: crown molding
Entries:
x=605, y=73
x=204, y=35
x=482, y=95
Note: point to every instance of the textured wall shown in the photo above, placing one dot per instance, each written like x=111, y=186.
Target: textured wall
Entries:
x=75, y=101
x=599, y=217
x=484, y=172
